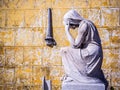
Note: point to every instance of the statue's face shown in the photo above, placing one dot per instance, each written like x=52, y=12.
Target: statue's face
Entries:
x=72, y=26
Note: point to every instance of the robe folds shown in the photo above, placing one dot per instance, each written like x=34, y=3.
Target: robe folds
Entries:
x=82, y=62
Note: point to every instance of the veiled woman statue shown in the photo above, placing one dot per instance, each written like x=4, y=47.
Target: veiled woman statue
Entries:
x=83, y=60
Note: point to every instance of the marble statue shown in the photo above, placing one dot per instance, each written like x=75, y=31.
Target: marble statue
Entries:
x=83, y=59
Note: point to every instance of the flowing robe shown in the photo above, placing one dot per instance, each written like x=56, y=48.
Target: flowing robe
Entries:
x=82, y=62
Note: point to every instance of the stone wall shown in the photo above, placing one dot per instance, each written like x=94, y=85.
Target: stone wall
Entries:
x=24, y=56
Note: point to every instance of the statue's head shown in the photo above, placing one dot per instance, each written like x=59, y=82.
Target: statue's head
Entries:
x=72, y=18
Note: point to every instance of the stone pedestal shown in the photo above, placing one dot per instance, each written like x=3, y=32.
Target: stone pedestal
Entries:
x=82, y=86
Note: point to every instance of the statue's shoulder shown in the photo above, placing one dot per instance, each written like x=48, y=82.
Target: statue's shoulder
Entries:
x=83, y=22
x=88, y=22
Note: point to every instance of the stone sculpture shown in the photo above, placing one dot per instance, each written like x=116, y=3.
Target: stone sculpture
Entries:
x=83, y=59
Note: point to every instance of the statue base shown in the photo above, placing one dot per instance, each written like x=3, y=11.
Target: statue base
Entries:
x=83, y=86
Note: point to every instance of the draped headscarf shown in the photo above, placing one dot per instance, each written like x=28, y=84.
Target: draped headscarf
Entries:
x=72, y=16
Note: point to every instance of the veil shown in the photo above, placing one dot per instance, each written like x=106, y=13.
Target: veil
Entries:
x=72, y=16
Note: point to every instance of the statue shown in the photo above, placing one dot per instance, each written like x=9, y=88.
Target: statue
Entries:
x=83, y=60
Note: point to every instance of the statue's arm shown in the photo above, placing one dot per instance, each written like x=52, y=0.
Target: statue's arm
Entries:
x=69, y=36
x=80, y=37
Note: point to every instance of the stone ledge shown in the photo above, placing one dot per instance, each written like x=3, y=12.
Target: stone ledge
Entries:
x=82, y=86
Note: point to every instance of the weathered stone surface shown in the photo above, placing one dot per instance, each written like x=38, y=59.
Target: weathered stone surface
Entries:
x=2, y=18
x=57, y=15
x=94, y=15
x=14, y=18
x=61, y=42
x=110, y=16
x=37, y=75
x=83, y=12
x=38, y=37
x=23, y=37
x=9, y=75
x=114, y=3
x=95, y=3
x=82, y=86
x=23, y=75
x=55, y=75
x=24, y=56
x=81, y=3
x=34, y=18
x=9, y=57
x=111, y=58
x=62, y=3
x=105, y=37
x=115, y=38
x=2, y=73
x=7, y=37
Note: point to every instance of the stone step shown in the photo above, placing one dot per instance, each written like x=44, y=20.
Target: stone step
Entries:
x=82, y=86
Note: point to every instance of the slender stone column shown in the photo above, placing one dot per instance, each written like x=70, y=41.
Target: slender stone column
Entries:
x=49, y=33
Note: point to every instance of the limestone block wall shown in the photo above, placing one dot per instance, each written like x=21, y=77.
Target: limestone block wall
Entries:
x=24, y=56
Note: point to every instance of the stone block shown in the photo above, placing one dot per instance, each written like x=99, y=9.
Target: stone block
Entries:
x=82, y=86
x=106, y=58
x=1, y=3
x=7, y=37
x=23, y=37
x=14, y=18
x=45, y=70
x=81, y=3
x=2, y=60
x=9, y=87
x=114, y=3
x=37, y=56
x=55, y=57
x=37, y=75
x=9, y=57
x=57, y=15
x=23, y=75
x=62, y=40
x=115, y=77
x=98, y=4
x=9, y=75
x=40, y=4
x=46, y=56
x=111, y=58
x=29, y=4
x=115, y=38
x=2, y=79
x=18, y=56
x=62, y=3
x=83, y=12
x=29, y=54
x=2, y=18
x=1, y=87
x=38, y=37
x=105, y=37
x=94, y=16
x=110, y=16
x=34, y=18
x=37, y=87
x=9, y=4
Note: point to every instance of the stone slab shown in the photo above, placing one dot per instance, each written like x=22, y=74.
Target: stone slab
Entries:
x=81, y=86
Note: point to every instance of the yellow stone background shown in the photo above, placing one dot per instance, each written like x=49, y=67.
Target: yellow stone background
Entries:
x=24, y=56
